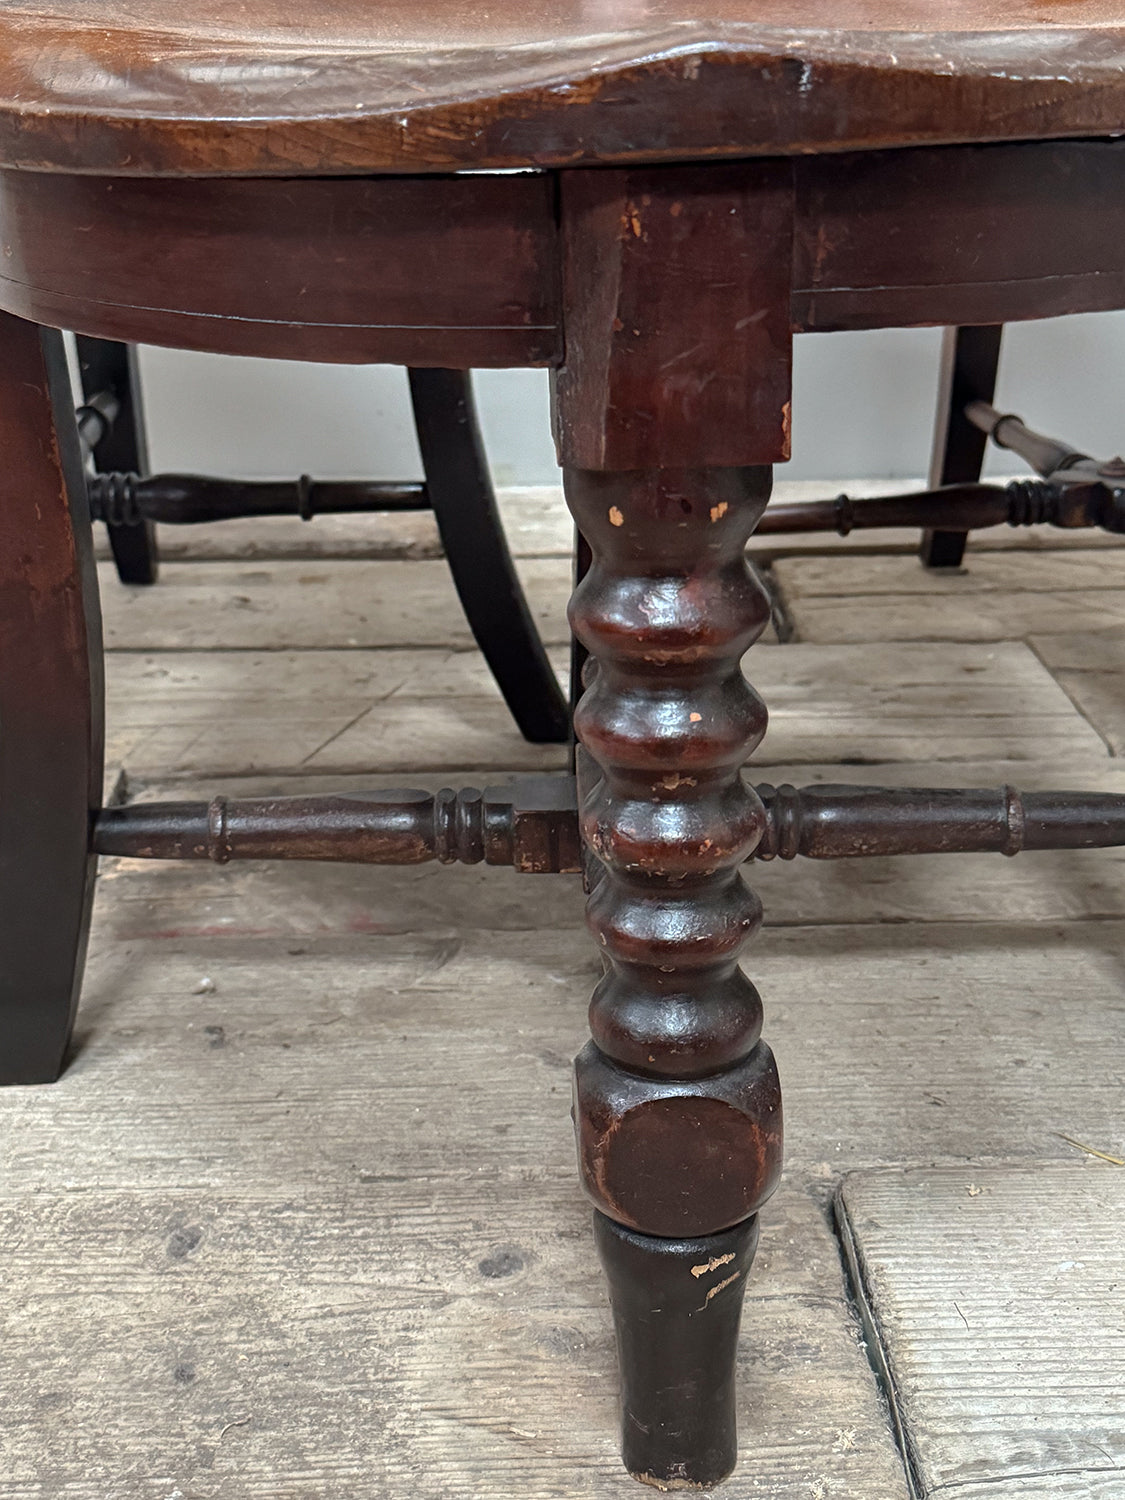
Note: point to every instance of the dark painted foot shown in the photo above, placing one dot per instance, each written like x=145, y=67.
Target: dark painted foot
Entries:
x=677, y=1306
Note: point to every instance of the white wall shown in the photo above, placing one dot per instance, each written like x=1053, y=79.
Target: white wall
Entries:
x=862, y=407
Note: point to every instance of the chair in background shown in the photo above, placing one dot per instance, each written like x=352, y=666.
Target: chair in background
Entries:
x=457, y=489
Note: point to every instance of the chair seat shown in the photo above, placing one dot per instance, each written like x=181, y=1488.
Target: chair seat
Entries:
x=203, y=87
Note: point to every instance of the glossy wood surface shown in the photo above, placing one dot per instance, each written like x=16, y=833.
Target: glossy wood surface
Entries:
x=458, y=272
x=676, y=285
x=51, y=720
x=475, y=271
x=973, y=234
x=192, y=87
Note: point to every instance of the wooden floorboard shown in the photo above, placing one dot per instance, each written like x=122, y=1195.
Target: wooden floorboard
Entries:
x=231, y=712
x=244, y=1237
x=194, y=712
x=276, y=605
x=442, y=1339
x=998, y=596
x=998, y=1298
x=1089, y=666
x=896, y=1042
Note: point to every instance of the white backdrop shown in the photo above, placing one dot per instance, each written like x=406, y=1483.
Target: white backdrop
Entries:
x=862, y=407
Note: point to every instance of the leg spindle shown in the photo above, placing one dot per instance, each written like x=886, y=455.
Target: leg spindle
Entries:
x=677, y=1103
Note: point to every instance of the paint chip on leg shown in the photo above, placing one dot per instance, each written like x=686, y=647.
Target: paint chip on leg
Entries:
x=712, y=1265
x=715, y=1290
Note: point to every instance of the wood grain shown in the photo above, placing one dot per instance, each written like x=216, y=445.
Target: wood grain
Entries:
x=248, y=1113
x=280, y=605
x=1090, y=668
x=996, y=1294
x=467, y=272
x=313, y=708
x=224, y=713
x=999, y=597
x=193, y=88
x=678, y=345
x=307, y=1018
x=441, y=1339
x=980, y=234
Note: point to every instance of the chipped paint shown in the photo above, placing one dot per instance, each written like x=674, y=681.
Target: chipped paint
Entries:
x=675, y=781
x=715, y=1290
x=713, y=1264
x=719, y=511
x=615, y=516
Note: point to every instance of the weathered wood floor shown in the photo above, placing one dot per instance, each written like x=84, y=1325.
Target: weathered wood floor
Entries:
x=301, y=1219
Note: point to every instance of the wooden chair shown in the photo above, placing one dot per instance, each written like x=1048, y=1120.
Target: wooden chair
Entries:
x=457, y=488
x=692, y=188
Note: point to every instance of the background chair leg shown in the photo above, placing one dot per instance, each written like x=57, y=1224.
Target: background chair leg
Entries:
x=970, y=358
x=50, y=705
x=460, y=491
x=107, y=366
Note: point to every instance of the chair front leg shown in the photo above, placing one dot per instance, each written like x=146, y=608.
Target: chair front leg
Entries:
x=677, y=1102
x=50, y=705
x=672, y=404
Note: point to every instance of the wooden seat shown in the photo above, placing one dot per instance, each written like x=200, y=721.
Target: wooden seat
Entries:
x=200, y=87
x=707, y=185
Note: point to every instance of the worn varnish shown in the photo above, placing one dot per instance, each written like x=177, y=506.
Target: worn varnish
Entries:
x=191, y=87
x=50, y=705
x=678, y=345
x=677, y=1104
x=456, y=272
x=243, y=181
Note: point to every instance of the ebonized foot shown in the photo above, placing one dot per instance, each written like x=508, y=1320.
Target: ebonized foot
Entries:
x=676, y=1307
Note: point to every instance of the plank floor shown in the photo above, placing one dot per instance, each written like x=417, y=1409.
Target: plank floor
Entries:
x=300, y=1221
x=1005, y=1365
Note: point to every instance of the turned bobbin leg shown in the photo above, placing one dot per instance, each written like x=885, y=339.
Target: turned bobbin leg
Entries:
x=671, y=405
x=50, y=705
x=677, y=1103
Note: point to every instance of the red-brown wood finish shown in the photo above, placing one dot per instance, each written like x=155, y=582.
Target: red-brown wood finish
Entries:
x=677, y=1104
x=666, y=435
x=531, y=824
x=458, y=272
x=202, y=87
x=470, y=271
x=976, y=234
x=247, y=179
x=50, y=705
x=676, y=285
